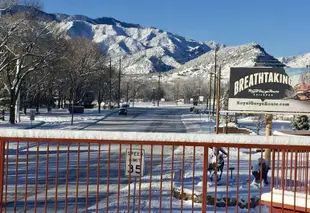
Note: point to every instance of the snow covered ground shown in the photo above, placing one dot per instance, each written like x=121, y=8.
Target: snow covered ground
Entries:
x=58, y=119
x=162, y=177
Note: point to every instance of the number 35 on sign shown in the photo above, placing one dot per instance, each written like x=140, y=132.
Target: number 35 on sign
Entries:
x=134, y=162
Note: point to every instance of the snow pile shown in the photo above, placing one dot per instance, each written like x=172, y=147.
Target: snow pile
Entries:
x=163, y=137
x=300, y=61
x=289, y=198
x=58, y=119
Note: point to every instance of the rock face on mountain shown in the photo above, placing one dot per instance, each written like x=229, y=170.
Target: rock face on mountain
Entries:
x=301, y=61
x=248, y=55
x=143, y=50
x=146, y=50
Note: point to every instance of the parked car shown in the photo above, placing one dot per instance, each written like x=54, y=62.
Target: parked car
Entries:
x=125, y=105
x=122, y=111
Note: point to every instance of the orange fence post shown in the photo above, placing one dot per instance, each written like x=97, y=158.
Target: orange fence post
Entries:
x=205, y=180
x=2, y=156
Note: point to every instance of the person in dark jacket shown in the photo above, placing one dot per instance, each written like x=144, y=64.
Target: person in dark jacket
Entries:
x=259, y=166
x=215, y=167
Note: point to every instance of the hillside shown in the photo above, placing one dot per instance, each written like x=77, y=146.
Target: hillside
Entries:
x=300, y=61
x=248, y=55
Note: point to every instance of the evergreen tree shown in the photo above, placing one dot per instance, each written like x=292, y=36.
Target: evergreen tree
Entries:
x=301, y=123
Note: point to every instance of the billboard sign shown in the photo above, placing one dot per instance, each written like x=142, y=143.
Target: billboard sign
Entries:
x=269, y=89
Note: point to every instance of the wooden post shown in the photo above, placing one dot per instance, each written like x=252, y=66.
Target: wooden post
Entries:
x=267, y=154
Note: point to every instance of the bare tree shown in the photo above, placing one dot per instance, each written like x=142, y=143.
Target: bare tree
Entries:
x=260, y=122
x=26, y=47
x=82, y=63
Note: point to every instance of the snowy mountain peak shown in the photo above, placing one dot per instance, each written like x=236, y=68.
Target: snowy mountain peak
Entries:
x=59, y=17
x=215, y=45
x=148, y=49
x=248, y=55
x=300, y=61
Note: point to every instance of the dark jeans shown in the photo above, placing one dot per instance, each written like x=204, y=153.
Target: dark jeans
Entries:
x=256, y=174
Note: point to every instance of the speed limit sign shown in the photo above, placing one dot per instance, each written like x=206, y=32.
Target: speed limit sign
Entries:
x=134, y=162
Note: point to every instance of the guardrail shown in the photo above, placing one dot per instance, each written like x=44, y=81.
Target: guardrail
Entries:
x=83, y=171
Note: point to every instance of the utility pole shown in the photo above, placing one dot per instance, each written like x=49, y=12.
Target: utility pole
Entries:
x=110, y=83
x=210, y=94
x=119, y=83
x=215, y=74
x=127, y=93
x=158, y=88
x=218, y=101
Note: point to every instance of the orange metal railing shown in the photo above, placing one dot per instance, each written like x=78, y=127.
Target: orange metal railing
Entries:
x=76, y=175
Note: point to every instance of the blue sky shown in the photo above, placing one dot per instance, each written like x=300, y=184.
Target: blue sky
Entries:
x=280, y=26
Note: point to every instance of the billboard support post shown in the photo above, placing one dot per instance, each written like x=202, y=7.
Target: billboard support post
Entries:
x=267, y=154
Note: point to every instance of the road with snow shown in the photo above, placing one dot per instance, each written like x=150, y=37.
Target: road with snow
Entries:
x=138, y=119
x=144, y=120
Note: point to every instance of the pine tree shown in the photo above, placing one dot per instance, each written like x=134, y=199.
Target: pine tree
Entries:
x=301, y=123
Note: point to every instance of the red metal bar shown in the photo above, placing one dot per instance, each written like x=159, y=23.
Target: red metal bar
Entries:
x=227, y=183
x=36, y=180
x=56, y=184
x=129, y=179
x=286, y=169
x=150, y=186
x=161, y=178
x=304, y=170
x=26, y=178
x=140, y=178
x=282, y=177
x=272, y=176
x=260, y=184
x=87, y=179
x=299, y=172
x=172, y=173
x=16, y=177
x=291, y=173
x=108, y=178
x=67, y=177
x=98, y=178
x=77, y=178
x=182, y=189
x=2, y=159
x=7, y=171
x=193, y=177
x=46, y=177
x=204, y=179
x=155, y=142
x=216, y=176
x=249, y=181
x=119, y=176
x=306, y=182
x=278, y=162
x=237, y=191
x=295, y=179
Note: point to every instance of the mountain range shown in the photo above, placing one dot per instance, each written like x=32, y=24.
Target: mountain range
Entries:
x=145, y=50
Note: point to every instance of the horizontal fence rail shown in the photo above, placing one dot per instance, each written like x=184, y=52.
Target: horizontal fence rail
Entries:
x=76, y=175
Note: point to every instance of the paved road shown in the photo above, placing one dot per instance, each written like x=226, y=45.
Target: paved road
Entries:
x=144, y=120
x=138, y=119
